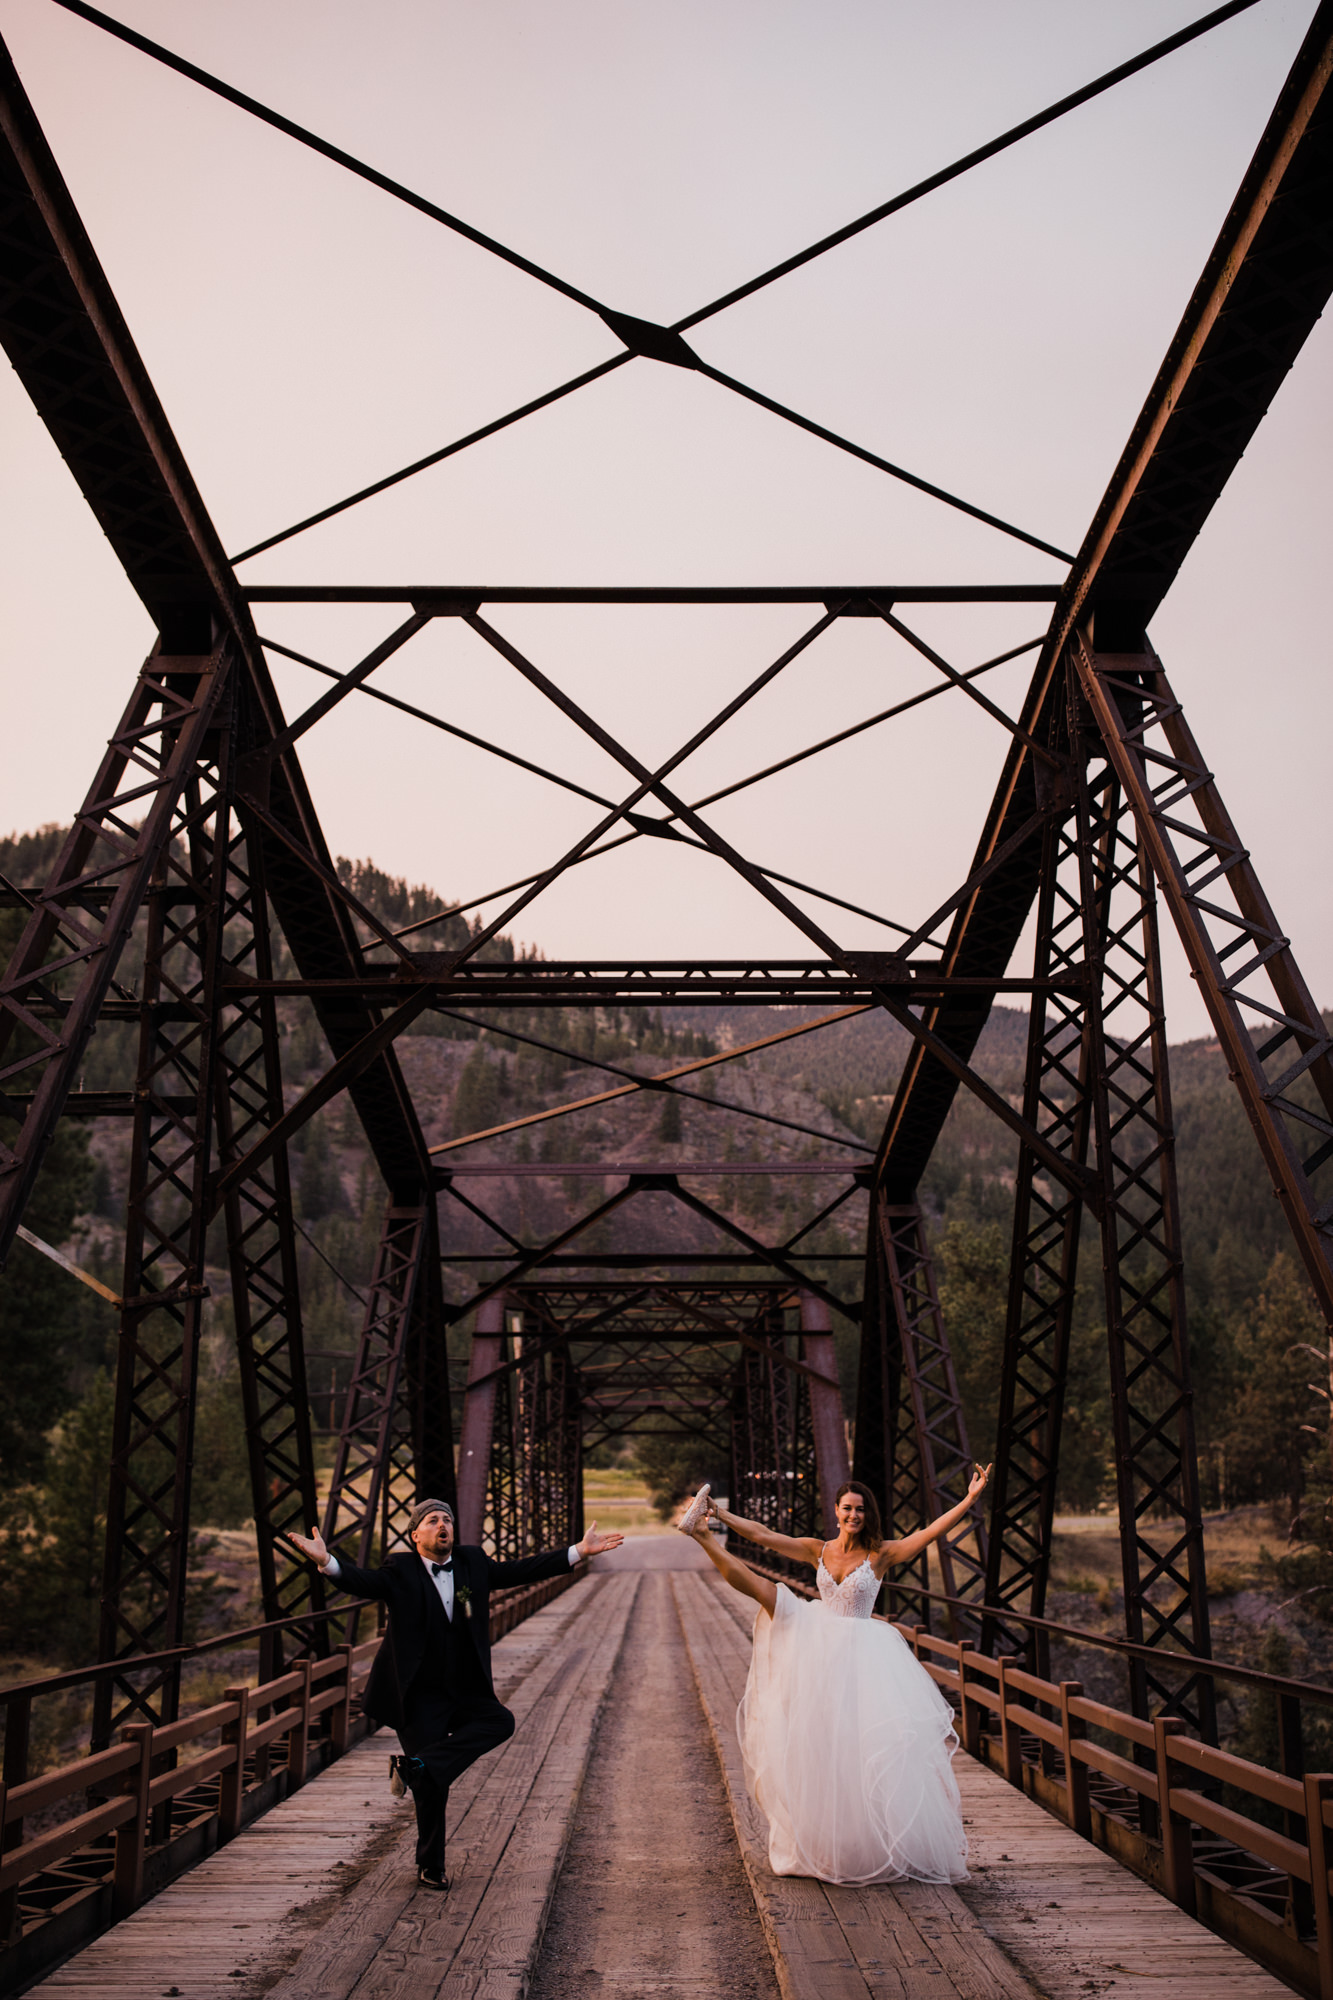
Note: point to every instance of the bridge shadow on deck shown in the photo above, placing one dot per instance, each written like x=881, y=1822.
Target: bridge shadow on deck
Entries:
x=318, y=1899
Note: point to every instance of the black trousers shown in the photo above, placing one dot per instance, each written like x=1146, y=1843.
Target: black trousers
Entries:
x=448, y=1732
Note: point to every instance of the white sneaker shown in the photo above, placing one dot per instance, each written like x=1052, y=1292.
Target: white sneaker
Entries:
x=695, y=1513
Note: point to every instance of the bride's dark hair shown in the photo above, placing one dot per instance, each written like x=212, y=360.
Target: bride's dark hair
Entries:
x=872, y=1534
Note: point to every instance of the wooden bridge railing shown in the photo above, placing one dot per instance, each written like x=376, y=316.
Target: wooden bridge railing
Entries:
x=1269, y=1892
x=62, y=1884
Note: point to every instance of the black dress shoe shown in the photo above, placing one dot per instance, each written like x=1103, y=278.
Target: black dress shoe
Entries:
x=427, y=1879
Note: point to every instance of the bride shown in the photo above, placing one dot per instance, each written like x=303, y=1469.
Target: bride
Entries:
x=847, y=1742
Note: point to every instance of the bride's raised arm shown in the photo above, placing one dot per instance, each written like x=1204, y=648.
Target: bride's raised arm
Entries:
x=806, y=1549
x=912, y=1545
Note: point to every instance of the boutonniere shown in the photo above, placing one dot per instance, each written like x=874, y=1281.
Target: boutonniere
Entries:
x=463, y=1596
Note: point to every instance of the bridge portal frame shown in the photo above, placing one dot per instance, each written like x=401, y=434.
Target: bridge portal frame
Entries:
x=1123, y=791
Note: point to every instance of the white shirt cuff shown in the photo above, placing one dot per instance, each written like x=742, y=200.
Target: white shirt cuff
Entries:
x=331, y=1569
x=574, y=1556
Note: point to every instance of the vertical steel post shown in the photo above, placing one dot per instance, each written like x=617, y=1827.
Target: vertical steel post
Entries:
x=148, y=1509
x=478, y=1420
x=828, y=1430
x=934, y=1409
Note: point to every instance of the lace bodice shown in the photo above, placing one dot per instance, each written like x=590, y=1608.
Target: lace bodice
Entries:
x=854, y=1597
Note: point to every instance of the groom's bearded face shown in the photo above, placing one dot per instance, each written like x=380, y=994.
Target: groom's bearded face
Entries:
x=434, y=1537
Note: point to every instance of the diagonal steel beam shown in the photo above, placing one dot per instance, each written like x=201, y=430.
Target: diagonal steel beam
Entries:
x=641, y=337
x=1060, y=109
x=1262, y=289
x=356, y=677
x=653, y=781
x=638, y=1083
x=614, y=1069
x=344, y=1072
x=898, y=472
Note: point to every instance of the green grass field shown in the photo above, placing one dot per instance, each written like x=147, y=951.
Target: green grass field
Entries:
x=618, y=1499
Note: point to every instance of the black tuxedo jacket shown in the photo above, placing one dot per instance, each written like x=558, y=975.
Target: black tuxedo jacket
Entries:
x=406, y=1586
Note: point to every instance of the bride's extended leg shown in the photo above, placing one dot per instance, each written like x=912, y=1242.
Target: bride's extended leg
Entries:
x=761, y=1588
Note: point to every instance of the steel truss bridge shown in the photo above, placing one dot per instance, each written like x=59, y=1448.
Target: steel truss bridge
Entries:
x=198, y=833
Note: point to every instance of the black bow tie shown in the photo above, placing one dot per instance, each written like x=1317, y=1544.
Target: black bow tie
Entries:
x=442, y=1569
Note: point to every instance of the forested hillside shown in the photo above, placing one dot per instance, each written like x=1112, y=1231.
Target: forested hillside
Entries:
x=1263, y=1434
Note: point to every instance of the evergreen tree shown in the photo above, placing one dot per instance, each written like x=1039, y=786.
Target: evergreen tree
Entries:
x=477, y=1098
x=51, y=1539
x=1275, y=1420
x=49, y=1323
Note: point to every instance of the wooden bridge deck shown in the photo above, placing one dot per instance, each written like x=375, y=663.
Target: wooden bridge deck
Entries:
x=318, y=1901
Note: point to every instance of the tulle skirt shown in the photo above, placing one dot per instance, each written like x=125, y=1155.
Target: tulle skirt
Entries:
x=848, y=1747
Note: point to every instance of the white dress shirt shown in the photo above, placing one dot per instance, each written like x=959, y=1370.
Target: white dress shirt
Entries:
x=444, y=1581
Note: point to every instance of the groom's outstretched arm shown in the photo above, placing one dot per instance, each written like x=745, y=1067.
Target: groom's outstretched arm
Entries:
x=346, y=1575
x=532, y=1569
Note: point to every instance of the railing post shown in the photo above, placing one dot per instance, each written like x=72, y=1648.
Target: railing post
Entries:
x=298, y=1742
x=9, y=1901
x=232, y=1789
x=1177, y=1839
x=18, y=1723
x=132, y=1833
x=969, y=1713
x=1318, y=1791
x=1078, y=1798
x=340, y=1715
x=1011, y=1737
x=1291, y=1763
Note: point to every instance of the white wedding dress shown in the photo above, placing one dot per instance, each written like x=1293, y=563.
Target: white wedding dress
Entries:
x=848, y=1744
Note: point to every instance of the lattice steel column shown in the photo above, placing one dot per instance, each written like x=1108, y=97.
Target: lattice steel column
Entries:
x=932, y=1462
x=148, y=1509
x=478, y=1420
x=1279, y=1052
x=1134, y=1145
x=787, y=1440
x=426, y=1401
x=261, y=1242
x=535, y=1473
x=827, y=1430
x=65, y=962
x=370, y=1490
x=1048, y=1219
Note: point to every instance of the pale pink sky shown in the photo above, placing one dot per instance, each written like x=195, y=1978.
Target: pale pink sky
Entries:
x=306, y=334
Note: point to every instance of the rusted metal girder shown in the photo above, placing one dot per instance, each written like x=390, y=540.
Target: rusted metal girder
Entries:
x=923, y=1457
x=375, y=1479
x=65, y=960
x=534, y=1462
x=1279, y=1052
x=1097, y=1082
x=443, y=600
x=190, y=744
x=552, y=983
x=1263, y=288
x=68, y=342
x=146, y=1559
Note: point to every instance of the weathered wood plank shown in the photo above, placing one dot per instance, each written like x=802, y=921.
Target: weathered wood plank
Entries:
x=1075, y=1920
x=394, y=1940
x=486, y=1934
x=811, y=1956
x=220, y=1932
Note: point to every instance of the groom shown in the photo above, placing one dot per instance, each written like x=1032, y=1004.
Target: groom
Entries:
x=431, y=1680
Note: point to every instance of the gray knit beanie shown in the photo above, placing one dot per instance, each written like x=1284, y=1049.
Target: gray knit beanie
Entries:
x=424, y=1507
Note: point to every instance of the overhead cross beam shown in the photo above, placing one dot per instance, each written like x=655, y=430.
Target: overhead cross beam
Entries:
x=642, y=337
